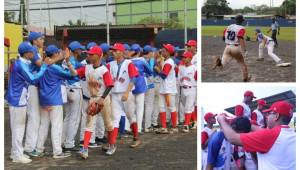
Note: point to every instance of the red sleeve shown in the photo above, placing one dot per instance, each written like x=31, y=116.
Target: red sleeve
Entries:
x=239, y=111
x=167, y=68
x=253, y=116
x=81, y=72
x=241, y=33
x=132, y=70
x=261, y=140
x=176, y=70
x=224, y=32
x=195, y=76
x=204, y=137
x=107, y=79
x=108, y=66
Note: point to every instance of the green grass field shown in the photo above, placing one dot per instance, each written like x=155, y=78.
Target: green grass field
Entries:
x=286, y=33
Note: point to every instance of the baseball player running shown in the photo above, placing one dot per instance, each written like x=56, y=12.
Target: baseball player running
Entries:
x=97, y=73
x=267, y=42
x=235, y=48
x=187, y=76
x=124, y=74
x=17, y=95
x=168, y=89
x=51, y=101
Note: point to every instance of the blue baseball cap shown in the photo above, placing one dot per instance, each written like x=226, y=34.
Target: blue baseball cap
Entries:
x=52, y=49
x=135, y=48
x=147, y=49
x=127, y=47
x=154, y=49
x=74, y=45
x=25, y=47
x=177, y=49
x=257, y=30
x=90, y=45
x=34, y=35
x=105, y=47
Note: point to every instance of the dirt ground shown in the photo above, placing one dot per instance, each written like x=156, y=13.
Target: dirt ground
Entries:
x=172, y=151
x=261, y=71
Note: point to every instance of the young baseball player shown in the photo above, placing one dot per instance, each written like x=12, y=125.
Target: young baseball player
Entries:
x=17, y=97
x=275, y=145
x=140, y=86
x=257, y=116
x=95, y=72
x=51, y=101
x=206, y=134
x=124, y=74
x=243, y=109
x=235, y=48
x=187, y=76
x=74, y=105
x=267, y=42
x=168, y=89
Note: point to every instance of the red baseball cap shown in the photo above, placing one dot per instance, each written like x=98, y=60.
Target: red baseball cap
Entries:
x=170, y=48
x=95, y=50
x=282, y=107
x=187, y=54
x=118, y=46
x=249, y=93
x=192, y=43
x=261, y=102
x=209, y=115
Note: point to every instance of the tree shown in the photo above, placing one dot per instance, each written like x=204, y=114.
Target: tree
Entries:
x=289, y=7
x=22, y=14
x=216, y=7
x=173, y=23
x=9, y=16
x=78, y=23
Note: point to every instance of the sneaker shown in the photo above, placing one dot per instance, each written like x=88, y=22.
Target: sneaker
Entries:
x=217, y=63
x=26, y=156
x=194, y=125
x=22, y=160
x=84, y=153
x=180, y=124
x=61, y=155
x=101, y=140
x=75, y=149
x=34, y=153
x=136, y=143
x=283, y=64
x=94, y=145
x=174, y=130
x=186, y=129
x=155, y=128
x=105, y=148
x=147, y=130
x=247, y=79
x=163, y=131
x=112, y=149
x=81, y=143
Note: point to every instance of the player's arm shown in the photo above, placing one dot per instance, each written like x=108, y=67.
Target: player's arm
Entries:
x=204, y=140
x=108, y=82
x=133, y=73
x=30, y=77
x=165, y=71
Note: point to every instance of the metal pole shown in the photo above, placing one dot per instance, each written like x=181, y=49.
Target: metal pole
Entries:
x=107, y=24
x=81, y=10
x=49, y=17
x=163, y=14
x=22, y=18
x=27, y=13
x=41, y=13
x=185, y=22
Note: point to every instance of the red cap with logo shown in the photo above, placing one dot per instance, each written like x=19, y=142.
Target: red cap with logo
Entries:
x=282, y=107
x=187, y=54
x=209, y=115
x=118, y=46
x=191, y=43
x=170, y=48
x=249, y=94
x=95, y=50
x=261, y=102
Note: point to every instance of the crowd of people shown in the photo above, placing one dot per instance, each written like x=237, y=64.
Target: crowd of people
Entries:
x=106, y=90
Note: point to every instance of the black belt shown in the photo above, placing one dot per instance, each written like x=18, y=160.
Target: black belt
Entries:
x=233, y=44
x=186, y=87
x=85, y=97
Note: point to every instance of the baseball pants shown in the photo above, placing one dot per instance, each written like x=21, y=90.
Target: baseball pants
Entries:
x=179, y=104
x=17, y=124
x=270, y=48
x=151, y=106
x=54, y=116
x=204, y=160
x=100, y=129
x=136, y=109
x=83, y=126
x=72, y=118
x=188, y=101
x=33, y=119
x=163, y=107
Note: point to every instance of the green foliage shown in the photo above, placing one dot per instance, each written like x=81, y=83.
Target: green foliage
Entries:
x=173, y=23
x=216, y=7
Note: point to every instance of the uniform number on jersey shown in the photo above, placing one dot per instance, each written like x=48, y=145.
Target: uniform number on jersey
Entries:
x=230, y=35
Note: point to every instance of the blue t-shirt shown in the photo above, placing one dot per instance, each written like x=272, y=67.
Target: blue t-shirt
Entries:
x=214, y=145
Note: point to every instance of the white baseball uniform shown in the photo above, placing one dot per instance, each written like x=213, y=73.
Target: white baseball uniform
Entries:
x=258, y=117
x=269, y=44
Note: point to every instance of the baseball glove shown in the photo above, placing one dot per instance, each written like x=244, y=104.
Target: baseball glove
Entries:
x=94, y=108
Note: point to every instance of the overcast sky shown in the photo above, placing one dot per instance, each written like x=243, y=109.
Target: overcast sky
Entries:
x=236, y=4
x=217, y=97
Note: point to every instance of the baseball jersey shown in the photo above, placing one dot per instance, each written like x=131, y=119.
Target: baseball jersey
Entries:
x=122, y=74
x=261, y=37
x=19, y=80
x=50, y=85
x=276, y=147
x=205, y=134
x=101, y=74
x=232, y=34
x=36, y=57
x=243, y=110
x=274, y=26
x=168, y=85
x=194, y=60
x=143, y=68
x=187, y=75
x=75, y=81
x=258, y=117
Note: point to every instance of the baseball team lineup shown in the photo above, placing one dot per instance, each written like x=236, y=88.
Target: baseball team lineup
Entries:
x=112, y=84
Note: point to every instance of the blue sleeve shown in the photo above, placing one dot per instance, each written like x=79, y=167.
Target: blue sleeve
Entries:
x=62, y=73
x=214, y=145
x=148, y=69
x=35, y=56
x=76, y=64
x=163, y=76
x=28, y=76
x=152, y=63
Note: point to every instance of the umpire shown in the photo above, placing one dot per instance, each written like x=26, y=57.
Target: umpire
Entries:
x=274, y=28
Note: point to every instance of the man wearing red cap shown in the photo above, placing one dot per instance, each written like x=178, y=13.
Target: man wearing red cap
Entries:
x=187, y=76
x=243, y=109
x=275, y=145
x=192, y=47
x=96, y=73
x=257, y=116
x=206, y=134
x=168, y=89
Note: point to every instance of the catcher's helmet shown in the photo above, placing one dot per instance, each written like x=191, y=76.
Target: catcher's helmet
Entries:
x=239, y=19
